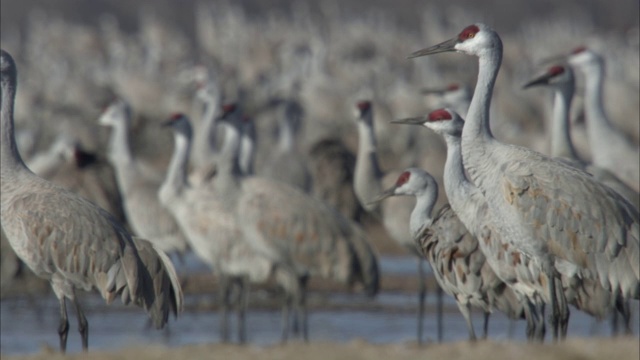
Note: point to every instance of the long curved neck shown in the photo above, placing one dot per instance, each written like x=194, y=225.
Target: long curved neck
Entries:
x=368, y=176
x=456, y=183
x=176, y=179
x=247, y=151
x=229, y=164
x=477, y=123
x=205, y=140
x=286, y=136
x=10, y=157
x=561, y=145
x=119, y=146
x=421, y=214
x=596, y=117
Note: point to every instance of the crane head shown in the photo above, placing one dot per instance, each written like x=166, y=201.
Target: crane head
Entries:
x=445, y=122
x=180, y=123
x=117, y=111
x=362, y=108
x=412, y=181
x=556, y=75
x=473, y=40
x=582, y=56
x=8, y=70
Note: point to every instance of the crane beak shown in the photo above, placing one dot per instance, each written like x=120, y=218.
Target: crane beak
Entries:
x=383, y=195
x=541, y=80
x=166, y=123
x=428, y=91
x=420, y=120
x=449, y=45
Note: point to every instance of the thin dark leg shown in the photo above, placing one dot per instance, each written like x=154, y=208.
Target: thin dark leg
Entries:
x=440, y=312
x=422, y=294
x=554, y=317
x=302, y=308
x=63, y=328
x=286, y=309
x=486, y=325
x=242, y=310
x=624, y=308
x=224, y=290
x=83, y=325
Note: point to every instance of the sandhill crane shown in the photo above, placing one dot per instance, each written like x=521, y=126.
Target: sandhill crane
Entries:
x=395, y=212
x=543, y=209
x=454, y=254
x=287, y=163
x=586, y=295
x=455, y=96
x=295, y=230
x=73, y=243
x=610, y=148
x=139, y=188
x=214, y=232
x=561, y=79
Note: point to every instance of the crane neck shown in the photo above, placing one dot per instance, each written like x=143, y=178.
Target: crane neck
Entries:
x=286, y=136
x=477, y=130
x=176, y=179
x=367, y=176
x=247, y=150
x=119, y=145
x=229, y=154
x=204, y=145
x=561, y=144
x=421, y=215
x=596, y=117
x=11, y=160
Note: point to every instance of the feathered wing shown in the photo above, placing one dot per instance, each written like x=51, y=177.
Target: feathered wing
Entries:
x=589, y=228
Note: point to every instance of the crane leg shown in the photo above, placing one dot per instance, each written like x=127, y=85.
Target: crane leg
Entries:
x=466, y=313
x=224, y=287
x=83, y=325
x=440, y=312
x=559, y=317
x=63, y=328
x=485, y=329
x=301, y=307
x=422, y=294
x=535, y=320
x=624, y=309
x=243, y=300
x=286, y=309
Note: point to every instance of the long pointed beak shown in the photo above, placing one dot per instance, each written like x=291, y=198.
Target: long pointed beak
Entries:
x=541, y=80
x=383, y=195
x=427, y=91
x=166, y=123
x=445, y=46
x=419, y=120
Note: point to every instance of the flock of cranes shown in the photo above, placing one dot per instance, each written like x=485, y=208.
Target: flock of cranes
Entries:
x=521, y=231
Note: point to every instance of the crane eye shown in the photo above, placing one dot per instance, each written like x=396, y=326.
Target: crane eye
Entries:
x=470, y=35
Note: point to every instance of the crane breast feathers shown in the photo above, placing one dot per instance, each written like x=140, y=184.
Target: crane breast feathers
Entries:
x=580, y=219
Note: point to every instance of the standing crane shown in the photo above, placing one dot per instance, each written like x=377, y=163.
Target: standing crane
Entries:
x=560, y=78
x=541, y=207
x=454, y=254
x=73, y=243
x=214, y=232
x=586, y=295
x=394, y=213
x=610, y=148
x=139, y=187
x=295, y=230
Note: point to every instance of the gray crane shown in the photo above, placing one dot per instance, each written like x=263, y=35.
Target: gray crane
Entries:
x=584, y=294
x=139, y=187
x=610, y=148
x=368, y=182
x=295, y=230
x=471, y=208
x=73, y=243
x=454, y=254
x=214, y=232
x=560, y=78
x=543, y=208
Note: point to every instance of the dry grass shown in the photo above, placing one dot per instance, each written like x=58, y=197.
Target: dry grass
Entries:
x=572, y=349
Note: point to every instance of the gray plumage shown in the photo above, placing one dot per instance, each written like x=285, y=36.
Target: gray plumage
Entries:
x=139, y=186
x=559, y=219
x=454, y=254
x=292, y=228
x=73, y=243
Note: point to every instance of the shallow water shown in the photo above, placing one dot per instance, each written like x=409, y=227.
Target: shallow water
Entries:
x=27, y=325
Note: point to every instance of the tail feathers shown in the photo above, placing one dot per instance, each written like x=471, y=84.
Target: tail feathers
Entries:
x=160, y=290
